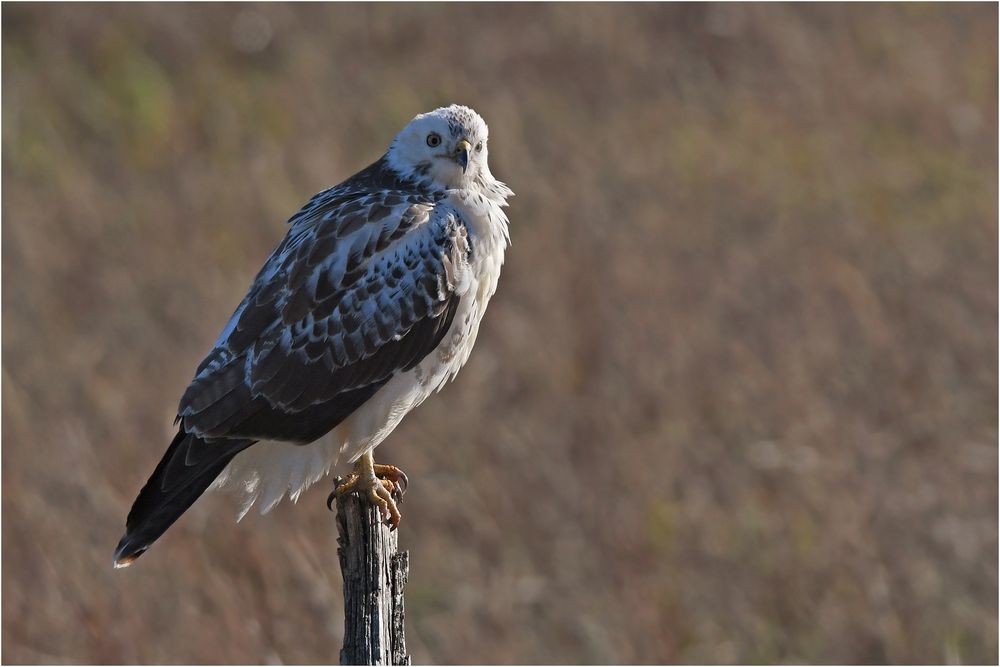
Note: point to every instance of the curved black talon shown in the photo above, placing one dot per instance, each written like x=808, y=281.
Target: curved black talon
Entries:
x=399, y=485
x=332, y=498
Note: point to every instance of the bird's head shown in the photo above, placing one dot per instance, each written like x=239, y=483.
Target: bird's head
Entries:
x=446, y=146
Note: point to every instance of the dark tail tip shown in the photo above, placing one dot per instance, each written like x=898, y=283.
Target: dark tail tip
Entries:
x=128, y=551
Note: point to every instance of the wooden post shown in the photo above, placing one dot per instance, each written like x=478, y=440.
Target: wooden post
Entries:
x=374, y=577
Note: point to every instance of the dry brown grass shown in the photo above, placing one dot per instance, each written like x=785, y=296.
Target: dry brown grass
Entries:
x=736, y=399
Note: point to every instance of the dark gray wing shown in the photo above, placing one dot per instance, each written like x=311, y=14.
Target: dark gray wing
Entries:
x=364, y=286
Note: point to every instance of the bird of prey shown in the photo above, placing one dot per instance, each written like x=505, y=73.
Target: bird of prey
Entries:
x=370, y=304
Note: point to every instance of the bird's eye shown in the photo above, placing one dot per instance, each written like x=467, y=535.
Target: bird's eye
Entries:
x=433, y=139
x=479, y=146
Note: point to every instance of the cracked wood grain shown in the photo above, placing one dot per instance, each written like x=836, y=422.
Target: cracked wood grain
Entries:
x=374, y=577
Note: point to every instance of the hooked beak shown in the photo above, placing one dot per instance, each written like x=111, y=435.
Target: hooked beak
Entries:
x=462, y=150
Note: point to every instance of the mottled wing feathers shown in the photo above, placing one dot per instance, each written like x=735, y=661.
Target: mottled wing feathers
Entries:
x=364, y=285
x=242, y=413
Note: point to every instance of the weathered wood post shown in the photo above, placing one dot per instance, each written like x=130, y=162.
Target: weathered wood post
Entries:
x=374, y=576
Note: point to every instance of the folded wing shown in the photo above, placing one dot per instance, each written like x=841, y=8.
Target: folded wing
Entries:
x=363, y=287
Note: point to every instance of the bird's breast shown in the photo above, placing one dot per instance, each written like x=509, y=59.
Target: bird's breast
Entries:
x=485, y=220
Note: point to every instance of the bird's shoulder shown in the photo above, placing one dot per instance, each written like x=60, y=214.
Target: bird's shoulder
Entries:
x=374, y=243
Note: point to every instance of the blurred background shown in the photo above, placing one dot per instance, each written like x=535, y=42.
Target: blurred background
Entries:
x=736, y=397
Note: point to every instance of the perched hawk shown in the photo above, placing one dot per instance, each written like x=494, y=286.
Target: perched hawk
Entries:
x=370, y=304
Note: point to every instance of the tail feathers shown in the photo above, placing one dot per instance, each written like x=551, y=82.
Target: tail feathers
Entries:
x=186, y=470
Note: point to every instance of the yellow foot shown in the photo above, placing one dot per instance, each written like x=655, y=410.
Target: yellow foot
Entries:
x=393, y=479
x=382, y=485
